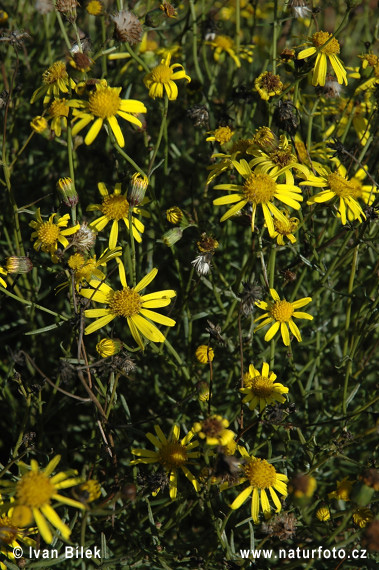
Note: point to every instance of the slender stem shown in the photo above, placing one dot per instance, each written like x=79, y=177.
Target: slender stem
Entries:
x=132, y=247
x=159, y=139
x=128, y=158
x=194, y=41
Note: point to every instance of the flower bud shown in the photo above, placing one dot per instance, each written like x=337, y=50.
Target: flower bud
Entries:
x=67, y=191
x=172, y=236
x=137, y=189
x=16, y=264
x=108, y=347
x=39, y=124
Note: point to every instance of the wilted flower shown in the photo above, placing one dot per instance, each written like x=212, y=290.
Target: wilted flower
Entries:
x=127, y=27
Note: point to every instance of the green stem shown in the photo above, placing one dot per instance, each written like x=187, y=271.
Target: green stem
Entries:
x=159, y=139
x=31, y=304
x=136, y=57
x=128, y=158
x=194, y=41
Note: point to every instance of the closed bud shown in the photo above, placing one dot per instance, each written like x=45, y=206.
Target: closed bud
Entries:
x=137, y=189
x=68, y=194
x=108, y=347
x=16, y=264
x=172, y=236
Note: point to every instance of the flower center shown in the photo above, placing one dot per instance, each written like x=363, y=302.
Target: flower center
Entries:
x=172, y=455
x=54, y=73
x=48, y=233
x=270, y=82
x=115, y=207
x=260, y=473
x=8, y=531
x=320, y=38
x=223, y=42
x=282, y=311
x=340, y=186
x=261, y=386
x=94, y=7
x=259, y=188
x=161, y=74
x=76, y=261
x=34, y=490
x=59, y=108
x=212, y=427
x=104, y=102
x=125, y=303
x=223, y=134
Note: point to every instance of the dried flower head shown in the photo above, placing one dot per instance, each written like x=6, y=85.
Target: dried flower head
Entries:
x=251, y=293
x=84, y=239
x=268, y=84
x=282, y=526
x=203, y=263
x=127, y=27
x=67, y=7
x=207, y=244
x=199, y=115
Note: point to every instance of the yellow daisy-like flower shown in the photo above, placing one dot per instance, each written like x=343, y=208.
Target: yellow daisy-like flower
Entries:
x=128, y=303
x=58, y=112
x=221, y=135
x=224, y=45
x=204, y=354
x=259, y=189
x=324, y=52
x=48, y=234
x=323, y=514
x=343, y=491
x=162, y=79
x=213, y=430
x=261, y=388
x=173, y=454
x=281, y=312
x=55, y=81
x=115, y=208
x=286, y=229
x=33, y=495
x=238, y=150
x=86, y=270
x=268, y=85
x=337, y=186
x=277, y=161
x=11, y=536
x=262, y=477
x=3, y=283
x=105, y=104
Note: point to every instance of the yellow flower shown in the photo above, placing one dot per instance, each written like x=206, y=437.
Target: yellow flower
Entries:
x=115, y=208
x=86, y=270
x=94, y=7
x=221, y=135
x=164, y=76
x=204, y=353
x=268, y=85
x=49, y=233
x=108, y=347
x=280, y=313
x=88, y=491
x=39, y=124
x=259, y=189
x=172, y=455
x=11, y=535
x=302, y=486
x=213, y=430
x=323, y=514
x=3, y=16
x=174, y=215
x=261, y=388
x=58, y=112
x=337, y=186
x=34, y=493
x=261, y=477
x=277, y=161
x=324, y=52
x=362, y=516
x=105, y=104
x=128, y=303
x=344, y=488
x=222, y=45
x=55, y=80
x=286, y=229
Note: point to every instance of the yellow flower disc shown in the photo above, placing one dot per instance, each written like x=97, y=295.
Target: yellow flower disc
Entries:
x=259, y=188
x=282, y=311
x=115, y=207
x=260, y=473
x=48, y=233
x=125, y=303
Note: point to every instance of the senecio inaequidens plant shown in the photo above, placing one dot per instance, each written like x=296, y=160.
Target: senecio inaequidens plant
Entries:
x=188, y=231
